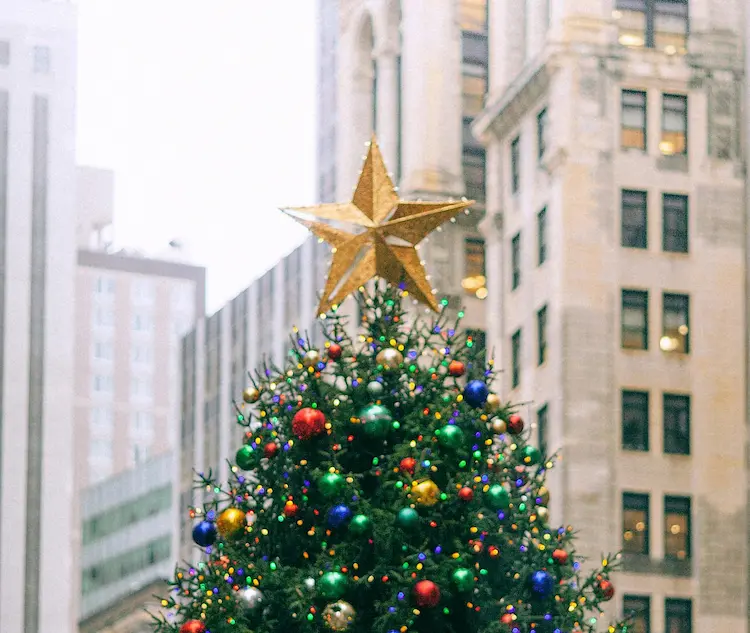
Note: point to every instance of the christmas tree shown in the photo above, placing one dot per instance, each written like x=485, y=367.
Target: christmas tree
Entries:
x=382, y=486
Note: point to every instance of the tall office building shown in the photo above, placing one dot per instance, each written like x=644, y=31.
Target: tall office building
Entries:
x=37, y=272
x=616, y=224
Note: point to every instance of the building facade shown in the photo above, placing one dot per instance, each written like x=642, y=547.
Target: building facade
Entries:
x=37, y=271
x=616, y=239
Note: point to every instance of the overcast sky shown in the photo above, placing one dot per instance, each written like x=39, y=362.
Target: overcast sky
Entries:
x=205, y=110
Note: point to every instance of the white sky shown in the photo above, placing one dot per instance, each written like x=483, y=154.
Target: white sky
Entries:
x=205, y=110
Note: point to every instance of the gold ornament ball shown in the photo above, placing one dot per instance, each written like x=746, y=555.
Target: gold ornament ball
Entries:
x=250, y=395
x=390, y=358
x=426, y=492
x=338, y=616
x=543, y=495
x=493, y=403
x=542, y=513
x=499, y=426
x=231, y=522
x=311, y=358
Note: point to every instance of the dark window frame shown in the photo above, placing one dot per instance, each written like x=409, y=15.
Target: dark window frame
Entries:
x=541, y=228
x=644, y=611
x=515, y=261
x=541, y=334
x=542, y=427
x=634, y=299
x=675, y=211
x=680, y=609
x=516, y=350
x=682, y=506
x=634, y=230
x=682, y=99
x=632, y=95
x=515, y=165
x=675, y=440
x=541, y=133
x=671, y=300
x=637, y=502
x=634, y=414
x=654, y=8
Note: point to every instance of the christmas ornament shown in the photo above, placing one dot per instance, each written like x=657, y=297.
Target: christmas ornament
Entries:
x=515, y=424
x=605, y=590
x=251, y=395
x=366, y=252
x=506, y=618
x=250, y=598
x=498, y=426
x=498, y=497
x=360, y=524
x=376, y=420
x=560, y=556
x=456, y=368
x=231, y=523
x=426, y=491
x=308, y=423
x=331, y=484
x=339, y=615
x=407, y=518
x=475, y=393
x=542, y=513
x=245, y=458
x=542, y=496
x=463, y=579
x=331, y=585
x=334, y=351
x=309, y=584
x=375, y=388
x=466, y=494
x=408, y=465
x=270, y=449
x=451, y=436
x=290, y=509
x=311, y=358
x=541, y=583
x=531, y=455
x=338, y=515
x=389, y=358
x=493, y=403
x=204, y=533
x=193, y=626
x=426, y=594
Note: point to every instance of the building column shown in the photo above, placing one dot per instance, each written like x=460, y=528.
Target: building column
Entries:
x=536, y=27
x=387, y=112
x=507, y=44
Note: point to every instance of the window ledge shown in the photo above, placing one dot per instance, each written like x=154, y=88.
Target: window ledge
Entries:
x=643, y=564
x=676, y=162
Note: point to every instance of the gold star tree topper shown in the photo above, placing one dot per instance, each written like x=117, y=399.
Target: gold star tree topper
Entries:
x=383, y=236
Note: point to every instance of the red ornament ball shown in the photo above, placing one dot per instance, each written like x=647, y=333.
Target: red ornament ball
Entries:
x=290, y=509
x=466, y=494
x=506, y=618
x=515, y=424
x=270, y=449
x=334, y=351
x=605, y=590
x=193, y=626
x=560, y=556
x=408, y=465
x=426, y=594
x=456, y=368
x=308, y=423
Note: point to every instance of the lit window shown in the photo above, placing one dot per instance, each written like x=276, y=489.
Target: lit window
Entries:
x=635, y=420
x=676, y=409
x=634, y=319
x=541, y=328
x=660, y=24
x=474, y=87
x=675, y=324
x=541, y=232
x=473, y=15
x=678, y=615
x=633, y=119
x=635, y=519
x=41, y=60
x=515, y=261
x=634, y=219
x=515, y=164
x=674, y=125
x=541, y=133
x=675, y=223
x=474, y=281
x=637, y=609
x=677, y=528
x=515, y=344
x=474, y=171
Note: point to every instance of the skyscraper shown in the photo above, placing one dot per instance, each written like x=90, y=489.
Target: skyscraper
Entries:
x=37, y=272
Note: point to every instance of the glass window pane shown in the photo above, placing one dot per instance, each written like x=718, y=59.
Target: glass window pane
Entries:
x=676, y=424
x=677, y=527
x=473, y=94
x=635, y=521
x=635, y=420
x=638, y=610
x=675, y=324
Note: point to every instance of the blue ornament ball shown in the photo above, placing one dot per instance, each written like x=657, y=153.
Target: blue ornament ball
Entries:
x=204, y=533
x=338, y=515
x=542, y=584
x=475, y=393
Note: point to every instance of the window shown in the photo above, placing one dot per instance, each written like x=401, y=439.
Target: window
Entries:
x=104, y=316
x=541, y=133
x=674, y=125
x=102, y=420
x=633, y=123
x=100, y=449
x=516, y=360
x=635, y=420
x=675, y=324
x=473, y=94
x=515, y=164
x=637, y=609
x=141, y=423
x=542, y=426
x=41, y=60
x=473, y=15
x=634, y=219
x=104, y=286
x=678, y=614
x=143, y=291
x=477, y=339
x=541, y=228
x=635, y=319
x=541, y=329
x=474, y=281
x=140, y=453
x=142, y=322
x=515, y=261
x=635, y=519
x=676, y=424
x=102, y=383
x=674, y=223
x=141, y=387
x=103, y=350
x=141, y=354
x=677, y=528
x=474, y=171
x=4, y=54
x=660, y=24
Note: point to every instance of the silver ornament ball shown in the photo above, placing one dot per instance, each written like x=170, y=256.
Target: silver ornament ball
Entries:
x=251, y=598
x=375, y=388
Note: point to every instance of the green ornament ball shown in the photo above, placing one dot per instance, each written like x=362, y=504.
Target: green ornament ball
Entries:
x=463, y=579
x=245, y=458
x=376, y=420
x=331, y=585
x=375, y=388
x=498, y=497
x=451, y=436
x=360, y=524
x=331, y=484
x=531, y=455
x=407, y=518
